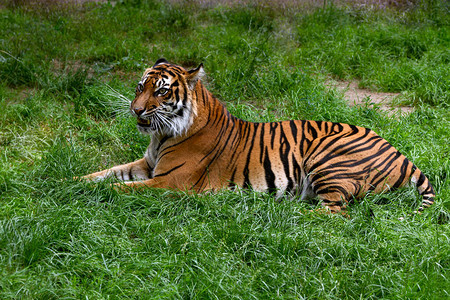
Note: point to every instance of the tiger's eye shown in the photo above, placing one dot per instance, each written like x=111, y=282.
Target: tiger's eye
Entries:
x=140, y=87
x=162, y=91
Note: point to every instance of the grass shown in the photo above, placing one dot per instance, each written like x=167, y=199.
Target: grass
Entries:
x=64, y=90
x=401, y=56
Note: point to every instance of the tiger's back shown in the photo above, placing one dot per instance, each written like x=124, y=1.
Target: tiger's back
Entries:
x=332, y=161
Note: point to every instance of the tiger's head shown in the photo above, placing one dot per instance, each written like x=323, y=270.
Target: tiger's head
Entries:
x=163, y=104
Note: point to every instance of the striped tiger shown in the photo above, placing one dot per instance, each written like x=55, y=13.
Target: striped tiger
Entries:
x=196, y=144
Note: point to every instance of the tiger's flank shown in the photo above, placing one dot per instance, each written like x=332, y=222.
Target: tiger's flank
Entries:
x=196, y=144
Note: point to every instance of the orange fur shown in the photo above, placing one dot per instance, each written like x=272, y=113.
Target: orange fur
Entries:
x=198, y=145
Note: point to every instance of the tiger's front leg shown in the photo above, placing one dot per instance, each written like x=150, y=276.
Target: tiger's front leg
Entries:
x=135, y=171
x=180, y=181
x=157, y=182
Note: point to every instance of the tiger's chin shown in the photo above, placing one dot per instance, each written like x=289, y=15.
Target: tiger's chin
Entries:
x=177, y=127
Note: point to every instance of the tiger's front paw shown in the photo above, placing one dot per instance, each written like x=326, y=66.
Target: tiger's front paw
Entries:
x=121, y=187
x=81, y=178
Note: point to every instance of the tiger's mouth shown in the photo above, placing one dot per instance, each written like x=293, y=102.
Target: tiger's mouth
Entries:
x=143, y=122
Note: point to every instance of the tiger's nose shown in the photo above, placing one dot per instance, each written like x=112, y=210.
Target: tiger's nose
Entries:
x=138, y=111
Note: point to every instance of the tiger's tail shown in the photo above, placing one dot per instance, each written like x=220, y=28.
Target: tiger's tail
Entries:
x=424, y=187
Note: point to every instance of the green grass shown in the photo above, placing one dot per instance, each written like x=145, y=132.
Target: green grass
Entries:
x=63, y=115
x=387, y=54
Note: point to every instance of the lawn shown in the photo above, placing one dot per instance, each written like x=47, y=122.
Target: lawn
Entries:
x=67, y=74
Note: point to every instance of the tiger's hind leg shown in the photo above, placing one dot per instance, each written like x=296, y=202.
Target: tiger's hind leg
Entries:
x=334, y=201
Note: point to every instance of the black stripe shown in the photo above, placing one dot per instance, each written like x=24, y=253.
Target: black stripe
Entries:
x=357, y=188
x=170, y=171
x=217, y=119
x=332, y=154
x=321, y=190
x=185, y=95
x=339, y=127
x=354, y=163
x=217, y=154
x=269, y=175
x=319, y=125
x=285, y=148
x=247, y=183
x=273, y=127
x=293, y=130
x=369, y=146
x=161, y=142
x=177, y=97
x=184, y=140
x=246, y=132
x=170, y=72
x=323, y=175
x=297, y=171
x=333, y=141
x=224, y=146
x=312, y=130
x=163, y=154
x=204, y=97
x=421, y=179
x=385, y=172
x=177, y=68
x=303, y=139
x=231, y=183
x=219, y=137
x=235, y=144
x=320, y=176
x=180, y=112
x=261, y=142
x=402, y=173
x=429, y=190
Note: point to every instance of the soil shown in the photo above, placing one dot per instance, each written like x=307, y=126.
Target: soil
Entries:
x=357, y=96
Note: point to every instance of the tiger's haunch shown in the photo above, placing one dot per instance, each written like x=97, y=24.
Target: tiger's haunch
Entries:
x=197, y=144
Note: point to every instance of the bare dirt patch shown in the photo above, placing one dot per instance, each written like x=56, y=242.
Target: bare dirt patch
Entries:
x=357, y=96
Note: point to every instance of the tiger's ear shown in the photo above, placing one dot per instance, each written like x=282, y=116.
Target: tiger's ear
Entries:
x=160, y=61
x=195, y=75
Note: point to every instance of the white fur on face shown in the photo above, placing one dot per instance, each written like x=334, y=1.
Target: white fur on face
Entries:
x=170, y=117
x=163, y=121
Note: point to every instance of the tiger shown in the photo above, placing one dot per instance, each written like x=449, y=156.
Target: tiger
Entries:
x=197, y=145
